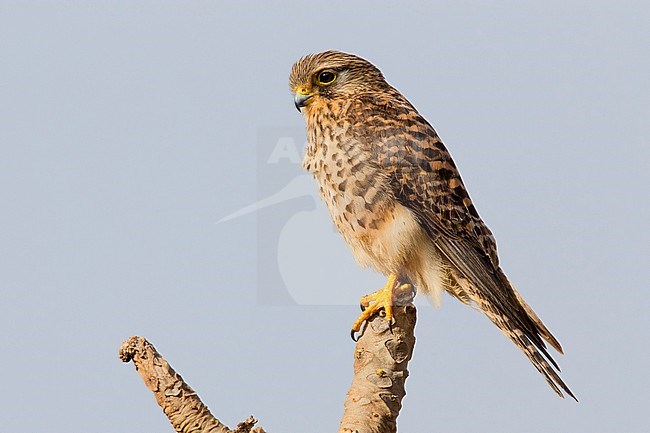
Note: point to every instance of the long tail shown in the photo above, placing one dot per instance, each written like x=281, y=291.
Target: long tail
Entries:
x=522, y=327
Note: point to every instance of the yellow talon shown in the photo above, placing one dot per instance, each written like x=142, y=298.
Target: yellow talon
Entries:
x=382, y=298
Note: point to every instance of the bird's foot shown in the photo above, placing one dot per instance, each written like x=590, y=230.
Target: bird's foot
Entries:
x=383, y=298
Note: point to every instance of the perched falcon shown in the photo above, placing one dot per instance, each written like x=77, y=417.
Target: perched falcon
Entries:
x=397, y=198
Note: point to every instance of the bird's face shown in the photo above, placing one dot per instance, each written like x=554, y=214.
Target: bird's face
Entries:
x=326, y=76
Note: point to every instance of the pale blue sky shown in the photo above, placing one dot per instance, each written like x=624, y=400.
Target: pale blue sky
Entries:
x=129, y=130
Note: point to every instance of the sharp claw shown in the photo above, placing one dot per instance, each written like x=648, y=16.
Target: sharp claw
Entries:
x=379, y=302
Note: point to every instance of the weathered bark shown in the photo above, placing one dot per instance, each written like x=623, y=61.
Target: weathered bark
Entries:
x=178, y=401
x=380, y=360
x=372, y=405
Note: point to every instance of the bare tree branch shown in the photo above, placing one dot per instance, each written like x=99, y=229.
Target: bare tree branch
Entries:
x=380, y=369
x=372, y=405
x=178, y=401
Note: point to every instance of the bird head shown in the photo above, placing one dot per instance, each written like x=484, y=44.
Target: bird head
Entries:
x=330, y=75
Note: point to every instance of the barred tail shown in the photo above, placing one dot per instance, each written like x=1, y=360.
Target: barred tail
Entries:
x=522, y=326
x=538, y=356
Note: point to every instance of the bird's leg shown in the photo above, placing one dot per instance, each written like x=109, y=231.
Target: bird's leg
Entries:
x=382, y=298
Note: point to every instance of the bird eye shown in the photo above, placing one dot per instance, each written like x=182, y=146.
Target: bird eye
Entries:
x=326, y=77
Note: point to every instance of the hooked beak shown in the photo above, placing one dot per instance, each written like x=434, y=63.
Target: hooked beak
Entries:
x=301, y=97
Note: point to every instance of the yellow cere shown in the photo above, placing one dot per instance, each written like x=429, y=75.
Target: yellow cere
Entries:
x=303, y=90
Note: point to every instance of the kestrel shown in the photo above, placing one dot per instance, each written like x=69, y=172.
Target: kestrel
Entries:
x=397, y=198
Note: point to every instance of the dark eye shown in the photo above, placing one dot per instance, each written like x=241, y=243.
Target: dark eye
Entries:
x=326, y=77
